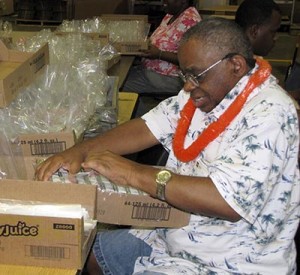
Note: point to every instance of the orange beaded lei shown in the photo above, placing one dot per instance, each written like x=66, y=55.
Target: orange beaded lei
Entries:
x=217, y=127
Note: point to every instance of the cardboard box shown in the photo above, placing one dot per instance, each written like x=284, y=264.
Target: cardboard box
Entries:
x=35, y=148
x=29, y=150
x=46, y=241
x=130, y=47
x=19, y=69
x=126, y=205
x=138, y=210
x=19, y=158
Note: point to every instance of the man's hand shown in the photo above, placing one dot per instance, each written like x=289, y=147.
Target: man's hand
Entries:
x=70, y=160
x=117, y=169
x=152, y=52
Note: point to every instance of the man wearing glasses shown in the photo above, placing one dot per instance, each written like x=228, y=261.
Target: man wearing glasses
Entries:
x=232, y=165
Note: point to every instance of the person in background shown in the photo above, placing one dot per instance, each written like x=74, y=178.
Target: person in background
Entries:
x=260, y=20
x=158, y=72
x=232, y=165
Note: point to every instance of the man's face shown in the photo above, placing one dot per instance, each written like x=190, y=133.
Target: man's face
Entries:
x=213, y=85
x=265, y=37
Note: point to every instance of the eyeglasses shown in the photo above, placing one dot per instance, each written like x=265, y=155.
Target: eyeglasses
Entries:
x=195, y=79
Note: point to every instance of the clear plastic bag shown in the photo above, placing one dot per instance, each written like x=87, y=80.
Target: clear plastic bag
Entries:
x=64, y=97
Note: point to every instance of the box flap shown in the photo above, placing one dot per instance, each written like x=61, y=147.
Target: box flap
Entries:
x=50, y=192
x=18, y=70
x=12, y=55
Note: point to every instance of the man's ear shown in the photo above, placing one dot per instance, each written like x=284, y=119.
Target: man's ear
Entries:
x=240, y=66
x=252, y=32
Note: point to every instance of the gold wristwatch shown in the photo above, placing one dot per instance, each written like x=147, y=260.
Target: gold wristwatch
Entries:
x=162, y=178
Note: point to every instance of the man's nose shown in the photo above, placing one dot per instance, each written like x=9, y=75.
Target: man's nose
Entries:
x=189, y=86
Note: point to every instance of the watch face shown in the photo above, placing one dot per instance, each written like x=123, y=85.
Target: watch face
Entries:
x=163, y=176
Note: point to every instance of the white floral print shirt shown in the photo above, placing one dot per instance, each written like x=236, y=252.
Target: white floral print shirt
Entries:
x=253, y=164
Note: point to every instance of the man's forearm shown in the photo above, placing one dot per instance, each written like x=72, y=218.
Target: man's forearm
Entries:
x=134, y=134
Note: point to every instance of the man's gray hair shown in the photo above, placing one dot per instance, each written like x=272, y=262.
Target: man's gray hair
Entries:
x=220, y=35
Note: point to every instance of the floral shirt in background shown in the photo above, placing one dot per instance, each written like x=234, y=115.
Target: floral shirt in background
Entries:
x=167, y=37
x=253, y=164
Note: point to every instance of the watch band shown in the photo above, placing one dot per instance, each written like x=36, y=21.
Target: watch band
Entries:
x=162, y=179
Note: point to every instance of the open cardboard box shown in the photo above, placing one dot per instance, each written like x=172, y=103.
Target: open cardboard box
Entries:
x=46, y=241
x=35, y=148
x=19, y=69
x=125, y=205
x=138, y=210
x=19, y=158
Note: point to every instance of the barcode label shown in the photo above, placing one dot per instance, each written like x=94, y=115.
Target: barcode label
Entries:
x=47, y=148
x=48, y=252
x=147, y=212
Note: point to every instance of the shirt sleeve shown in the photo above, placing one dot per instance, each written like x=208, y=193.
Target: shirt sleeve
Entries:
x=162, y=120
